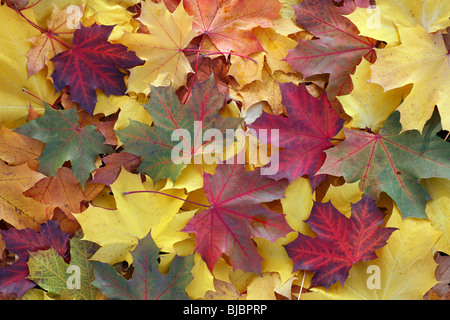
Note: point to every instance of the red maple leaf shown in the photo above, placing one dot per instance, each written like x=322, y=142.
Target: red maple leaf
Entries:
x=340, y=242
x=235, y=215
x=229, y=23
x=92, y=63
x=338, y=49
x=304, y=135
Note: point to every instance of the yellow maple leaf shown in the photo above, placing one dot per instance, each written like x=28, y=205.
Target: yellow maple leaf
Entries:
x=18, y=210
x=130, y=108
x=297, y=206
x=111, y=12
x=368, y=104
x=118, y=231
x=165, y=63
x=14, y=102
x=422, y=59
x=415, y=54
x=438, y=209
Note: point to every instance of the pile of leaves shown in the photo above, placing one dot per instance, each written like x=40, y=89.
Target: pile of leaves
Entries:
x=95, y=206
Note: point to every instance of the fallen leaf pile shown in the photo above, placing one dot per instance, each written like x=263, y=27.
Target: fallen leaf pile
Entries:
x=230, y=149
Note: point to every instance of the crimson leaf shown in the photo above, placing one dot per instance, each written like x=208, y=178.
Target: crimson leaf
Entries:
x=236, y=215
x=340, y=242
x=337, y=49
x=304, y=135
x=92, y=63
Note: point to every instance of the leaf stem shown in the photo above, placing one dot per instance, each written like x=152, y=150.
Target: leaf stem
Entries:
x=35, y=96
x=165, y=194
x=195, y=71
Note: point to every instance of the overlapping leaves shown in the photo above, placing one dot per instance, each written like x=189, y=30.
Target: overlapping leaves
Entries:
x=126, y=173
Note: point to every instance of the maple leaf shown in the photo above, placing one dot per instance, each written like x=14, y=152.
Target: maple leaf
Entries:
x=229, y=24
x=155, y=144
x=147, y=283
x=16, y=149
x=304, y=135
x=340, y=242
x=337, y=50
x=235, y=215
x=56, y=39
x=13, y=279
x=63, y=191
x=66, y=139
x=368, y=104
x=92, y=63
x=14, y=101
x=18, y=210
x=421, y=59
x=405, y=266
x=113, y=164
x=118, y=231
x=51, y=272
x=165, y=63
x=392, y=162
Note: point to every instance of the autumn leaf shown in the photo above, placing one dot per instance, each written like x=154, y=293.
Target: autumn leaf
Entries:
x=92, y=63
x=368, y=104
x=14, y=279
x=14, y=101
x=56, y=39
x=147, y=282
x=165, y=63
x=49, y=270
x=337, y=50
x=165, y=156
x=63, y=191
x=229, y=24
x=235, y=215
x=18, y=210
x=113, y=164
x=403, y=270
x=303, y=135
x=118, y=231
x=66, y=139
x=389, y=161
x=340, y=242
x=16, y=149
x=422, y=51
x=131, y=130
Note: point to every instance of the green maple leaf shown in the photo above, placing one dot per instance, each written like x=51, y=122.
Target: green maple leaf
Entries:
x=147, y=283
x=50, y=272
x=155, y=145
x=65, y=139
x=392, y=162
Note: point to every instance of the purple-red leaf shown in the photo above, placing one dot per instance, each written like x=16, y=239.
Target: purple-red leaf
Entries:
x=304, y=135
x=236, y=216
x=93, y=63
x=340, y=242
x=13, y=279
x=338, y=49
